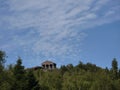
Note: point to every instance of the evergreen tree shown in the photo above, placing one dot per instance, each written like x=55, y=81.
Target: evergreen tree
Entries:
x=19, y=70
x=119, y=74
x=32, y=83
x=114, y=69
x=2, y=60
x=2, y=73
x=19, y=76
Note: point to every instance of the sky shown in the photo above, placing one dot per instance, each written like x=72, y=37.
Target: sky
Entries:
x=63, y=31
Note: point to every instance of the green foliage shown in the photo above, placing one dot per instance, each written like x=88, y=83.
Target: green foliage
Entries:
x=32, y=83
x=19, y=76
x=114, y=69
x=19, y=72
x=50, y=80
x=2, y=60
x=2, y=57
x=2, y=73
x=63, y=69
x=119, y=74
x=80, y=77
x=23, y=80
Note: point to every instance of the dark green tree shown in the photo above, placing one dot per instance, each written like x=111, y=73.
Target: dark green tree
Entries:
x=63, y=69
x=106, y=70
x=119, y=74
x=19, y=76
x=19, y=71
x=114, y=69
x=2, y=60
x=4, y=75
x=32, y=83
x=81, y=65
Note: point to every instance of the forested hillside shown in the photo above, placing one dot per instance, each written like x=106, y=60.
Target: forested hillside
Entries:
x=86, y=76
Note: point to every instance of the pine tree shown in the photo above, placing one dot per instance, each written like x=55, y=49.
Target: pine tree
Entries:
x=19, y=69
x=114, y=69
x=19, y=76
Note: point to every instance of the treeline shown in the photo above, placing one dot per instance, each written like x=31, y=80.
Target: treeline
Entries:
x=15, y=77
x=68, y=77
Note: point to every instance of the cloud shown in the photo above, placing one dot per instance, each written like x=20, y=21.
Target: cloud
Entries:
x=53, y=27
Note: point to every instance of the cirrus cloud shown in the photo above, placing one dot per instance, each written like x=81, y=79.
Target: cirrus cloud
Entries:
x=52, y=27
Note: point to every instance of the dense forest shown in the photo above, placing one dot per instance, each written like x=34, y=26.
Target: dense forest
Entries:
x=68, y=77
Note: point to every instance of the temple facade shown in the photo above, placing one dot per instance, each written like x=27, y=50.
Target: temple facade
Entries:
x=48, y=65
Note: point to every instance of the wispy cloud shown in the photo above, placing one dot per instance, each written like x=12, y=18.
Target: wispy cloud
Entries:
x=53, y=27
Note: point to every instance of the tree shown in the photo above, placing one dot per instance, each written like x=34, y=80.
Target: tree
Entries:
x=19, y=76
x=106, y=70
x=19, y=69
x=2, y=60
x=81, y=65
x=2, y=57
x=32, y=83
x=114, y=69
x=2, y=73
x=119, y=74
x=63, y=69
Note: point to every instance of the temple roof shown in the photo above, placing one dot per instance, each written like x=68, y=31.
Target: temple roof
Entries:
x=48, y=62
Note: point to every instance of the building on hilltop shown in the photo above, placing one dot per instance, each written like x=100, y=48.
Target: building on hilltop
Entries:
x=48, y=65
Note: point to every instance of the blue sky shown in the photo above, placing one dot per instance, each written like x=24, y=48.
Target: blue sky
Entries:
x=64, y=31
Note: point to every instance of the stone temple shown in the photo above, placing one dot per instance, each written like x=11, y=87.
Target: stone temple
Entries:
x=48, y=65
